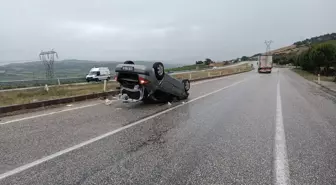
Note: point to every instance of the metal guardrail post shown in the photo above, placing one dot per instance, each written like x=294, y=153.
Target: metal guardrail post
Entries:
x=104, y=85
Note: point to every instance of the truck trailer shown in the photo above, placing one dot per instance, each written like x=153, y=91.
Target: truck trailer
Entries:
x=265, y=64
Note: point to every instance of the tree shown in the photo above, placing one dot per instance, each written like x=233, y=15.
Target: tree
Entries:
x=323, y=55
x=199, y=62
x=208, y=61
x=305, y=61
x=244, y=58
x=297, y=61
x=318, y=39
x=256, y=55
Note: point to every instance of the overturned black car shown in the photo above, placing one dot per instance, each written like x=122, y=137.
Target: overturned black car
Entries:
x=149, y=83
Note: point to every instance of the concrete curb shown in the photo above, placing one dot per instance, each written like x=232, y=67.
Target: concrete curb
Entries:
x=34, y=105
x=331, y=91
x=46, y=103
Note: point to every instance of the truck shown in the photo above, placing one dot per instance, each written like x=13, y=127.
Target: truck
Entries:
x=265, y=64
x=98, y=74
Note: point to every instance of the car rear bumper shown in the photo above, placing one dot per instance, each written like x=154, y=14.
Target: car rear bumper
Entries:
x=133, y=95
x=265, y=70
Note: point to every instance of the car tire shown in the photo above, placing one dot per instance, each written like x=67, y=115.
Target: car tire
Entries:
x=158, y=70
x=129, y=62
x=184, y=97
x=186, y=84
x=147, y=99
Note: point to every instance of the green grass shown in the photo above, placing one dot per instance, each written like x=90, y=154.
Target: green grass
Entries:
x=333, y=42
x=189, y=67
x=55, y=92
x=312, y=77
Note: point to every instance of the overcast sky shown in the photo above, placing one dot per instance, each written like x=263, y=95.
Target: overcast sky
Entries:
x=177, y=31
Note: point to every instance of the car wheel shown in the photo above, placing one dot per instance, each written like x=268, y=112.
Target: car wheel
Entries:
x=186, y=84
x=129, y=62
x=147, y=99
x=158, y=70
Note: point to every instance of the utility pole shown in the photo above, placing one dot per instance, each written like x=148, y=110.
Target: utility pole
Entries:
x=268, y=49
x=48, y=59
x=268, y=46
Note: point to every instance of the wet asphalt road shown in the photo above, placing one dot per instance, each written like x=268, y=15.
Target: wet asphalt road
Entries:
x=222, y=138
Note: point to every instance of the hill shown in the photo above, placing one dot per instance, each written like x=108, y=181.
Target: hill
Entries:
x=333, y=42
x=288, y=54
x=316, y=40
x=63, y=69
x=300, y=46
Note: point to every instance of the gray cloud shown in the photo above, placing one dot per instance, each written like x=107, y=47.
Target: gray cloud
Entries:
x=175, y=30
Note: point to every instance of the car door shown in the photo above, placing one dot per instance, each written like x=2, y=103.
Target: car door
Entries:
x=166, y=86
x=173, y=85
x=98, y=75
x=178, y=86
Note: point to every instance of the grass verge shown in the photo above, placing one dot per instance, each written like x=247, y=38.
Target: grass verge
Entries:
x=189, y=67
x=55, y=92
x=312, y=77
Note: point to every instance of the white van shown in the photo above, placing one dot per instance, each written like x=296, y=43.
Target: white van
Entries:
x=98, y=74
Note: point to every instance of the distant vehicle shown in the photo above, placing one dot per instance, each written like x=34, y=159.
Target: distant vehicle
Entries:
x=265, y=64
x=98, y=74
x=149, y=83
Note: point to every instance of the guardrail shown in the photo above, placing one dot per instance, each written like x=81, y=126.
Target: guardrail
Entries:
x=38, y=82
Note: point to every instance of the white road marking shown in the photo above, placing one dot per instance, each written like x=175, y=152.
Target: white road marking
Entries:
x=281, y=167
x=52, y=156
x=47, y=114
